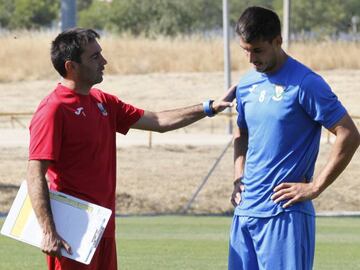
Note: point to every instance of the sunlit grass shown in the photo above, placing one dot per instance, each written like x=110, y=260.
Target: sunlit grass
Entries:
x=193, y=243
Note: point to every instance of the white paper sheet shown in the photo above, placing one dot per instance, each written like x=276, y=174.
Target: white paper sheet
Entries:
x=79, y=222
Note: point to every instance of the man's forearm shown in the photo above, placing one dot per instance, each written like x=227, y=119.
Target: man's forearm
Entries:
x=240, y=149
x=178, y=118
x=174, y=119
x=52, y=243
x=171, y=119
x=39, y=195
x=343, y=150
x=346, y=143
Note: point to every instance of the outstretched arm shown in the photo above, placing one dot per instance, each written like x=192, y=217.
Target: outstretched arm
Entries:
x=178, y=118
x=346, y=143
x=40, y=200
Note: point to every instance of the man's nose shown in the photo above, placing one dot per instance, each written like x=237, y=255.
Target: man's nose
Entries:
x=251, y=57
x=104, y=62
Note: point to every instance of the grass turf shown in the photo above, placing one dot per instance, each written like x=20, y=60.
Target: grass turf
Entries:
x=186, y=243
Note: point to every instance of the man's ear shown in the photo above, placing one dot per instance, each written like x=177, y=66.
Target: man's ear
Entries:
x=70, y=67
x=278, y=40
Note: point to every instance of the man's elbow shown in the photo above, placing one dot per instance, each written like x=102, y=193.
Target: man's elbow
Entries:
x=356, y=139
x=165, y=124
x=162, y=127
x=352, y=138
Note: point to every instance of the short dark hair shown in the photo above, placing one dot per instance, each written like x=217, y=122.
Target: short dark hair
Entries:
x=69, y=45
x=258, y=23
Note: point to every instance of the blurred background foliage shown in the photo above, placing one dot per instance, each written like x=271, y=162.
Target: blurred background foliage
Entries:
x=309, y=19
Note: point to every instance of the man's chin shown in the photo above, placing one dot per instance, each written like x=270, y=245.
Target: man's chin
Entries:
x=263, y=69
x=99, y=80
x=259, y=68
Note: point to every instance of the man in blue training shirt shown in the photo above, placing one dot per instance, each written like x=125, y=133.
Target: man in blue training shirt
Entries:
x=281, y=106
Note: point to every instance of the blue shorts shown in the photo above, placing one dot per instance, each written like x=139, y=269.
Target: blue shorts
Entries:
x=285, y=241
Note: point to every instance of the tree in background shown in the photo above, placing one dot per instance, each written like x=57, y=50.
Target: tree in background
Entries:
x=83, y=4
x=93, y=14
x=26, y=14
x=6, y=10
x=164, y=17
x=352, y=8
x=172, y=17
x=237, y=7
x=321, y=18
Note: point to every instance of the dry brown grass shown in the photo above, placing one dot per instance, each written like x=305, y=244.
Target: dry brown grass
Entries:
x=327, y=55
x=25, y=55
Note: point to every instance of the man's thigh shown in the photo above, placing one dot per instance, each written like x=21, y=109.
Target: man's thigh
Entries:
x=242, y=255
x=286, y=241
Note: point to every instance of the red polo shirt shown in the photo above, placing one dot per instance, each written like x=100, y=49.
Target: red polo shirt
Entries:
x=78, y=133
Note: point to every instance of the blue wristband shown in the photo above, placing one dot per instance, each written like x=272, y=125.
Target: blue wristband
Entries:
x=208, y=109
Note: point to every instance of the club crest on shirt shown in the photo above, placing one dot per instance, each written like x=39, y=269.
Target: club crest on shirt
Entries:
x=102, y=109
x=279, y=92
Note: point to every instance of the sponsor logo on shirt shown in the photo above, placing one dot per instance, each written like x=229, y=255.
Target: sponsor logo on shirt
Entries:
x=102, y=109
x=252, y=88
x=279, y=92
x=79, y=111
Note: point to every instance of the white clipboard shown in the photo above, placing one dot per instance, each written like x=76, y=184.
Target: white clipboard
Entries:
x=78, y=222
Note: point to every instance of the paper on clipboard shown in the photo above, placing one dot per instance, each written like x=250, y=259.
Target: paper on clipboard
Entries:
x=78, y=222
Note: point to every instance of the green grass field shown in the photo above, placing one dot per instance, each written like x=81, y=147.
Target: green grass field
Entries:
x=186, y=243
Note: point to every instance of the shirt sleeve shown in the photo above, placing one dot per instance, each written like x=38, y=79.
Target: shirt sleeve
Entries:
x=46, y=133
x=240, y=110
x=126, y=116
x=319, y=102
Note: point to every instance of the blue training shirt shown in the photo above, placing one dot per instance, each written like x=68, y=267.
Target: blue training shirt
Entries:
x=283, y=114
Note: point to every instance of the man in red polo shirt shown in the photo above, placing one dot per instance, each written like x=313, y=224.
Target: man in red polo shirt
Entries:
x=73, y=141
